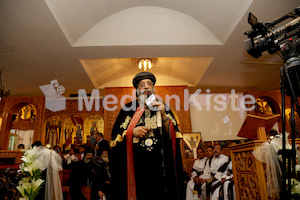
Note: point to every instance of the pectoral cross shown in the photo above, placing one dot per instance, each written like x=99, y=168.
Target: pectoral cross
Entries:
x=151, y=123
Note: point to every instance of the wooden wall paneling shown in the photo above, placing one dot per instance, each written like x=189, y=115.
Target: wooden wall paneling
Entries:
x=111, y=116
x=72, y=109
x=17, y=155
x=12, y=104
x=39, y=104
x=183, y=115
x=2, y=103
x=22, y=125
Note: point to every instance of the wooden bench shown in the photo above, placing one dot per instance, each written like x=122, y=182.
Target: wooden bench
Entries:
x=64, y=178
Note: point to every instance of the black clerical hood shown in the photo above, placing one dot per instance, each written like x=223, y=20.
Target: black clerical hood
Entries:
x=141, y=76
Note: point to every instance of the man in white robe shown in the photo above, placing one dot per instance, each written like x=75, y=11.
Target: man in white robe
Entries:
x=218, y=161
x=206, y=176
x=229, y=184
x=196, y=177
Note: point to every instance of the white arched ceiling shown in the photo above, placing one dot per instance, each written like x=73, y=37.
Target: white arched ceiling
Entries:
x=147, y=25
x=169, y=71
x=213, y=19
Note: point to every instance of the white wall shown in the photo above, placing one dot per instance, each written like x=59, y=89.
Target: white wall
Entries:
x=213, y=124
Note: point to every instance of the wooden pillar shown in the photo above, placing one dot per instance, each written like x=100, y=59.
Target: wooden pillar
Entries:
x=261, y=133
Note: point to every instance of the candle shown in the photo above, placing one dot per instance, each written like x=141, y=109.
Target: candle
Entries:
x=195, y=153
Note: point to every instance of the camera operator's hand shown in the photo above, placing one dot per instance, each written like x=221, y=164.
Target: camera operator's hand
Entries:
x=140, y=131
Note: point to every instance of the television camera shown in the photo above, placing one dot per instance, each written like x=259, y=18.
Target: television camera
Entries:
x=266, y=37
x=286, y=40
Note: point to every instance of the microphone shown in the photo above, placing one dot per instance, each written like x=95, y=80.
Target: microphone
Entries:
x=151, y=98
x=158, y=119
x=148, y=94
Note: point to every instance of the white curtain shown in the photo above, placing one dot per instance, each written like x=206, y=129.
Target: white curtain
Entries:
x=25, y=137
x=53, y=162
x=267, y=153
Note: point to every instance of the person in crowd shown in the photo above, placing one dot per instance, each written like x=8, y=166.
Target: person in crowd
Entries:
x=214, y=171
x=36, y=143
x=82, y=176
x=227, y=190
x=57, y=150
x=101, y=144
x=81, y=150
x=146, y=161
x=70, y=157
x=21, y=146
x=101, y=186
x=195, y=186
x=206, y=182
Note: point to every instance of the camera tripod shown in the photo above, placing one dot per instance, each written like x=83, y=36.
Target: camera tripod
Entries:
x=290, y=85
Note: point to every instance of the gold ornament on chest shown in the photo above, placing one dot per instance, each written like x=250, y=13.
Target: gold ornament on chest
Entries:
x=149, y=143
x=151, y=123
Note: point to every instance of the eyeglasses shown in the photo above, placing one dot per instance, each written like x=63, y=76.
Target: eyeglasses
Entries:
x=143, y=84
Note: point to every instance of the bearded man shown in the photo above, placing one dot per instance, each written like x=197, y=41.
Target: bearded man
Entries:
x=145, y=155
x=81, y=175
x=101, y=187
x=217, y=171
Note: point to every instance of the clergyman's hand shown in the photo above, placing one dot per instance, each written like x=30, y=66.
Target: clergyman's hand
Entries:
x=160, y=106
x=140, y=131
x=101, y=194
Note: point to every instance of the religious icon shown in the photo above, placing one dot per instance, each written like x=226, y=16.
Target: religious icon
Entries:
x=264, y=107
x=92, y=132
x=26, y=112
x=191, y=143
x=92, y=125
x=78, y=134
x=53, y=131
x=68, y=138
x=74, y=127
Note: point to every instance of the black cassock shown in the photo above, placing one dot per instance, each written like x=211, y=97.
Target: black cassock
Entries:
x=156, y=178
